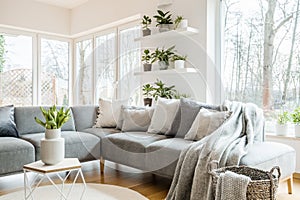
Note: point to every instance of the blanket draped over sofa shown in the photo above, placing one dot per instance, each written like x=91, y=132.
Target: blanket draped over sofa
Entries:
x=226, y=145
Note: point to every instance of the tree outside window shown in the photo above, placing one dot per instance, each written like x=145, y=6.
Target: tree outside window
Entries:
x=262, y=53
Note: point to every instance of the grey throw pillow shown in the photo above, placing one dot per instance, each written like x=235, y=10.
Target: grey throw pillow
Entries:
x=7, y=122
x=137, y=119
x=189, y=110
x=175, y=124
x=121, y=116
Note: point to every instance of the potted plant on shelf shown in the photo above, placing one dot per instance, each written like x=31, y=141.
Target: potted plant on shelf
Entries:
x=147, y=93
x=164, y=20
x=146, y=21
x=147, y=59
x=179, y=61
x=180, y=23
x=296, y=121
x=163, y=57
x=282, y=123
x=53, y=146
x=161, y=90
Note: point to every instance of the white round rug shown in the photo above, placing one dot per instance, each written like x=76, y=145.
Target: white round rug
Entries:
x=92, y=192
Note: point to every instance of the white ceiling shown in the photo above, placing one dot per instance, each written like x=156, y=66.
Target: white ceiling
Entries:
x=64, y=3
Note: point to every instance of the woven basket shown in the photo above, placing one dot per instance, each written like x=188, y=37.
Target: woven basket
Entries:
x=263, y=184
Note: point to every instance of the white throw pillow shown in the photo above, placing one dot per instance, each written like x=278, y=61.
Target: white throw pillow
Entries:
x=109, y=112
x=206, y=122
x=163, y=115
x=137, y=119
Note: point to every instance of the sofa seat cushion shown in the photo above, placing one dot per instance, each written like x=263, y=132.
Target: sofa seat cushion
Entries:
x=133, y=141
x=162, y=156
x=128, y=148
x=268, y=154
x=83, y=146
x=14, y=153
x=101, y=132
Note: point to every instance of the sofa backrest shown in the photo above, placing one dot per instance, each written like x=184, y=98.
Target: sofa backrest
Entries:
x=24, y=118
x=84, y=116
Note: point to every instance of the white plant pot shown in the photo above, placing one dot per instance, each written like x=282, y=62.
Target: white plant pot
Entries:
x=183, y=24
x=297, y=130
x=171, y=65
x=52, y=133
x=52, y=147
x=163, y=65
x=179, y=64
x=281, y=129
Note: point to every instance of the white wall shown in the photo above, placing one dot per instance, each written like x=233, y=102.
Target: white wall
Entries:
x=97, y=13
x=29, y=14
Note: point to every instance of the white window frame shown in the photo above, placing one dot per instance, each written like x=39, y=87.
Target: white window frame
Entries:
x=93, y=36
x=121, y=28
x=86, y=37
x=36, y=60
x=70, y=70
x=34, y=57
x=99, y=34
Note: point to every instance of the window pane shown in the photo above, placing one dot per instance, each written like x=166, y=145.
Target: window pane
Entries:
x=15, y=70
x=106, y=65
x=84, y=70
x=55, y=72
x=261, y=53
x=130, y=53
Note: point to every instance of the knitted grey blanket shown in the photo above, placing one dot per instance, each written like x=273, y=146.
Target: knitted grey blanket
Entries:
x=232, y=186
x=226, y=145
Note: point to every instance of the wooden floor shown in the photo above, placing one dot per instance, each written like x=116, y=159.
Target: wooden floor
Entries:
x=152, y=187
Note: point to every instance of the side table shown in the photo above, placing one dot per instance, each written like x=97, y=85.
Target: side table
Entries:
x=40, y=169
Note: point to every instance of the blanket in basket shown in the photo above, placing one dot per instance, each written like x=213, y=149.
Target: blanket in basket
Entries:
x=226, y=145
x=232, y=186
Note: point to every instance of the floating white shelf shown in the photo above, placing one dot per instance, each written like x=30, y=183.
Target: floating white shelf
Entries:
x=168, y=71
x=170, y=34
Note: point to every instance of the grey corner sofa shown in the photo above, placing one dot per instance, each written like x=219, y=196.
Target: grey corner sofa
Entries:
x=154, y=153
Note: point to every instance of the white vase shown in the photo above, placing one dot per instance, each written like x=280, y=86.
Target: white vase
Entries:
x=179, y=64
x=52, y=147
x=297, y=130
x=52, y=133
x=281, y=129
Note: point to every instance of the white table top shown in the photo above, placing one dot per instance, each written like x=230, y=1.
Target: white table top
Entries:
x=65, y=165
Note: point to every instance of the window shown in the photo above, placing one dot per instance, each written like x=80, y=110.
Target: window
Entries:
x=106, y=64
x=16, y=69
x=84, y=72
x=130, y=56
x=261, y=53
x=24, y=81
x=54, y=77
x=107, y=71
